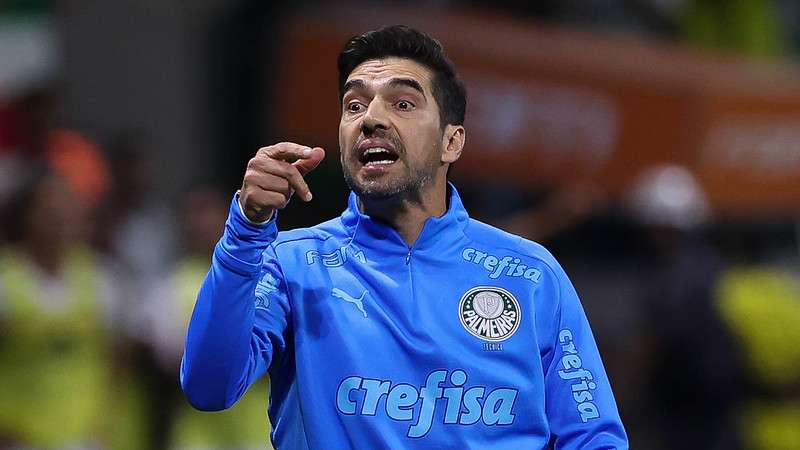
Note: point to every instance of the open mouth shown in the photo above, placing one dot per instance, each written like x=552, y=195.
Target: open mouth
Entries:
x=378, y=156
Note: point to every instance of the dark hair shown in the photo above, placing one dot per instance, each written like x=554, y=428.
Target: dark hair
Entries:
x=405, y=42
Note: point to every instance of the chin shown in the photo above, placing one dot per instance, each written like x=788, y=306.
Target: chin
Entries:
x=376, y=190
x=387, y=186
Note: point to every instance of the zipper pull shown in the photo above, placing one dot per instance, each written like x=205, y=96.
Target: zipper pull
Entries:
x=408, y=256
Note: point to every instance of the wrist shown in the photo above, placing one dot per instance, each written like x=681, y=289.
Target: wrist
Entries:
x=243, y=242
x=254, y=220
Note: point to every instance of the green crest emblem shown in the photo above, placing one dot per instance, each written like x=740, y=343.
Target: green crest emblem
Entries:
x=489, y=313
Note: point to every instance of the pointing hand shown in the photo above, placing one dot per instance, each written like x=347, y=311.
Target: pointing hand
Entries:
x=273, y=175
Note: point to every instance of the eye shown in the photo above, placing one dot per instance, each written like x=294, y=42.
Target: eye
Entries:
x=404, y=105
x=354, y=107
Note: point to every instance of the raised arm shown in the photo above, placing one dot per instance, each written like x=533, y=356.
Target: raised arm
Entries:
x=239, y=321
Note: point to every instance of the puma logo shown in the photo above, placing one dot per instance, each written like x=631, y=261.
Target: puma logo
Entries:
x=359, y=302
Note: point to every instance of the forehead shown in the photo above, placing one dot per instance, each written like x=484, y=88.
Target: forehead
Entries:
x=378, y=71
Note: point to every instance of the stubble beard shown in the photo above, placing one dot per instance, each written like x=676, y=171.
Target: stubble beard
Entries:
x=406, y=186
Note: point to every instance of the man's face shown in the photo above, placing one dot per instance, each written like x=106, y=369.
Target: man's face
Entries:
x=389, y=134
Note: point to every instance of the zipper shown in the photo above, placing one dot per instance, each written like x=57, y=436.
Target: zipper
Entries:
x=408, y=256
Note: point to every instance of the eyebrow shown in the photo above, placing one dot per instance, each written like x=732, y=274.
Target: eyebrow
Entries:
x=352, y=85
x=393, y=83
x=414, y=84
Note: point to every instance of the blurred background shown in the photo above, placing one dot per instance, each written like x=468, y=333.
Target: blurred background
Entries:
x=652, y=145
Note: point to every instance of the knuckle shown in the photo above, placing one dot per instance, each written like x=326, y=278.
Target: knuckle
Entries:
x=275, y=199
x=282, y=169
x=249, y=174
x=292, y=172
x=251, y=179
x=280, y=147
x=267, y=153
x=270, y=166
x=288, y=149
x=273, y=183
x=286, y=145
x=282, y=185
x=260, y=163
x=263, y=200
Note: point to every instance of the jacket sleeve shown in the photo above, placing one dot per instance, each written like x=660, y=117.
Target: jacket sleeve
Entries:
x=240, y=317
x=579, y=403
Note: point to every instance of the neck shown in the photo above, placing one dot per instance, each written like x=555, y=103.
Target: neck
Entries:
x=407, y=214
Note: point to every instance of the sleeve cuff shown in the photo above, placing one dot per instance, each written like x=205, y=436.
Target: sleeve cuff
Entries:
x=243, y=242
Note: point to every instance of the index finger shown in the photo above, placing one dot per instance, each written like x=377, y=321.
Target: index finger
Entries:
x=287, y=151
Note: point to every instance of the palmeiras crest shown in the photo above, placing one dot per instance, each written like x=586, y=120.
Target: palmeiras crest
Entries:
x=489, y=313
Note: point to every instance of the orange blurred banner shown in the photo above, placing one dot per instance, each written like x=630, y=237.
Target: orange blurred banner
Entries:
x=549, y=106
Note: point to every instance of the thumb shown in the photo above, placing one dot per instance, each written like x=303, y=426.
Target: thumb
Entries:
x=308, y=164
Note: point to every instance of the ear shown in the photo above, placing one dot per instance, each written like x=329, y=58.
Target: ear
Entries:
x=453, y=143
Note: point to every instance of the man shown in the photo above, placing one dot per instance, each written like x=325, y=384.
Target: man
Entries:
x=57, y=305
x=402, y=323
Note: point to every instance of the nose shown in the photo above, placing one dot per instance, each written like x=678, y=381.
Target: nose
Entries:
x=375, y=118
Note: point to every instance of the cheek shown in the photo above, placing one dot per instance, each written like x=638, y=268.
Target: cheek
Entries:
x=349, y=133
x=419, y=131
x=344, y=136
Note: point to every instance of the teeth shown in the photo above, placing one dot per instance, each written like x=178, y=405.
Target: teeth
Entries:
x=374, y=150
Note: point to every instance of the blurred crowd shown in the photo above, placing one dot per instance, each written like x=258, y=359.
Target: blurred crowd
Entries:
x=98, y=277
x=697, y=317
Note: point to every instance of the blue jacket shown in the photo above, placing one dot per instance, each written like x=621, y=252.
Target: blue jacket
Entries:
x=472, y=338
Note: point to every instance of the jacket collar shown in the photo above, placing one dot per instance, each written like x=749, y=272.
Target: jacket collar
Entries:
x=437, y=232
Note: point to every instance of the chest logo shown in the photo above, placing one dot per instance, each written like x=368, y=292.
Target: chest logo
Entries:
x=337, y=258
x=359, y=302
x=489, y=313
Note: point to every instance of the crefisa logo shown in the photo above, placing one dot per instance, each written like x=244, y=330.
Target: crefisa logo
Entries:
x=489, y=313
